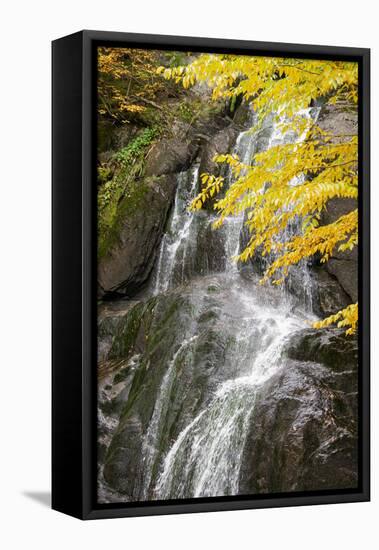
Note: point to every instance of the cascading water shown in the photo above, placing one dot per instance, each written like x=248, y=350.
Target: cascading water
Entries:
x=212, y=339
x=205, y=458
x=176, y=241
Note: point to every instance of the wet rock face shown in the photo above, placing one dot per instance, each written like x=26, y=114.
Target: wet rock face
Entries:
x=177, y=369
x=192, y=365
x=206, y=254
x=346, y=272
x=302, y=431
x=304, y=427
x=129, y=263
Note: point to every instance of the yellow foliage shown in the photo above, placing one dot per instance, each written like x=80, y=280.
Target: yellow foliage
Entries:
x=126, y=82
x=292, y=180
x=347, y=317
x=274, y=84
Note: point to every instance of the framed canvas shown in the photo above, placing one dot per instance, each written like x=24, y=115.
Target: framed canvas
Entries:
x=210, y=250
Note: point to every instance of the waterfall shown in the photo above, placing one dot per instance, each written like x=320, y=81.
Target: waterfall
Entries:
x=150, y=444
x=205, y=458
x=175, y=241
x=198, y=452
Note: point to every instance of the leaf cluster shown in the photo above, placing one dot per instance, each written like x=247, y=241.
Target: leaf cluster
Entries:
x=296, y=179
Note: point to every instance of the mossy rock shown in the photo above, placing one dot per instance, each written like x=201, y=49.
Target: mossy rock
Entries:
x=129, y=256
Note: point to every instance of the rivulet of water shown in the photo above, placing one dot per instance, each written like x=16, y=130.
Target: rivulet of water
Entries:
x=176, y=240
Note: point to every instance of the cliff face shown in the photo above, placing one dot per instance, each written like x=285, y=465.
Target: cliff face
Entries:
x=209, y=383
x=146, y=197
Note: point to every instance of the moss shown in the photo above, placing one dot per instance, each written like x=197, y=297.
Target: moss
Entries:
x=112, y=217
x=186, y=112
x=121, y=195
x=167, y=321
x=176, y=59
x=127, y=328
x=126, y=333
x=105, y=130
x=157, y=328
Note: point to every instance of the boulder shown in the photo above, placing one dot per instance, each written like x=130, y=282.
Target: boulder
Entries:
x=127, y=266
x=222, y=142
x=346, y=272
x=329, y=295
x=337, y=121
x=169, y=156
x=304, y=426
x=122, y=136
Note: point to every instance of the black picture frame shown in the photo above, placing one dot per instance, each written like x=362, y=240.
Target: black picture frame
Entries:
x=74, y=275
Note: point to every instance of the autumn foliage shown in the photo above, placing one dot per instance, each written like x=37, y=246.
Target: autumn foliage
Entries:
x=291, y=180
x=127, y=82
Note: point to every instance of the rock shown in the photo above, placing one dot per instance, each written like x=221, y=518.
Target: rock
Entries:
x=316, y=288
x=329, y=347
x=209, y=253
x=334, y=120
x=169, y=156
x=304, y=426
x=127, y=266
x=105, y=130
x=123, y=135
x=329, y=296
x=123, y=469
x=187, y=367
x=221, y=143
x=346, y=272
x=203, y=255
x=342, y=265
x=302, y=434
x=242, y=113
x=112, y=138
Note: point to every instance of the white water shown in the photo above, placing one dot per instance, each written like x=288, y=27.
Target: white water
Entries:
x=176, y=239
x=150, y=444
x=205, y=460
